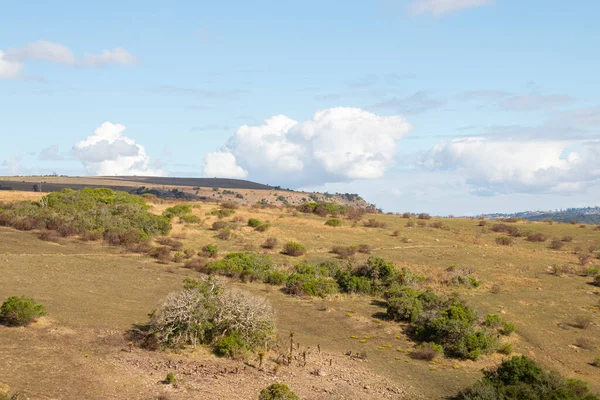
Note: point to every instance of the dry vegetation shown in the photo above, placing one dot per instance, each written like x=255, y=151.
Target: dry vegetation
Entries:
x=342, y=346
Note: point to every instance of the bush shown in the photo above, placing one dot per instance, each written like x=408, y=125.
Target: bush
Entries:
x=439, y=225
x=536, y=237
x=597, y=280
x=205, y=311
x=504, y=241
x=421, y=224
x=294, y=249
x=582, y=321
x=210, y=250
x=262, y=228
x=270, y=243
x=254, y=223
x=567, y=238
x=190, y=219
x=521, y=378
x=49, y=236
x=224, y=234
x=246, y=266
x=223, y=213
x=345, y=251
x=161, y=253
x=410, y=224
x=427, y=351
x=373, y=223
x=277, y=391
x=334, y=222
x=596, y=362
x=556, y=244
x=229, y=205
x=299, y=284
x=406, y=215
x=172, y=243
x=499, y=228
x=20, y=311
x=424, y=216
x=218, y=225
x=364, y=248
x=505, y=348
x=230, y=345
x=179, y=210
x=198, y=265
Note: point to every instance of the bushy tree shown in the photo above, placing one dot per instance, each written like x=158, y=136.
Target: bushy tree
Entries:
x=20, y=311
x=277, y=391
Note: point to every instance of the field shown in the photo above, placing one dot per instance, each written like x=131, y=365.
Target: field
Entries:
x=95, y=293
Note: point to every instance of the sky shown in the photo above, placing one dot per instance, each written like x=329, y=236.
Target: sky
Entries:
x=452, y=107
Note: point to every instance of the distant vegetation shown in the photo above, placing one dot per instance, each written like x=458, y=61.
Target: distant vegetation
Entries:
x=20, y=311
x=119, y=217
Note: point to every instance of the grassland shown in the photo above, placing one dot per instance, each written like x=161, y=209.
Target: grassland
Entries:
x=94, y=293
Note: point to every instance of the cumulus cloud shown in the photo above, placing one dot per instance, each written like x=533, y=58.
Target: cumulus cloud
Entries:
x=222, y=164
x=337, y=144
x=495, y=166
x=440, y=7
x=13, y=60
x=51, y=153
x=109, y=152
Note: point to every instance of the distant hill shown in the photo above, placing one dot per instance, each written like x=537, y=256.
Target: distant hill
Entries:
x=586, y=215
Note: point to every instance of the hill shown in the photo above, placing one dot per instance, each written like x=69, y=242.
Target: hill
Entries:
x=345, y=345
x=586, y=215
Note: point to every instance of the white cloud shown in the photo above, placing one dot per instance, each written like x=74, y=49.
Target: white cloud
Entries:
x=222, y=164
x=495, y=166
x=440, y=7
x=109, y=152
x=51, y=153
x=13, y=60
x=9, y=69
x=338, y=144
x=117, y=56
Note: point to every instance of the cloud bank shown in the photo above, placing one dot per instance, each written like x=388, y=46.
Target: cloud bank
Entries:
x=337, y=144
x=440, y=7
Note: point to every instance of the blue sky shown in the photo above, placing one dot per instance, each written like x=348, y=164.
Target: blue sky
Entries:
x=443, y=106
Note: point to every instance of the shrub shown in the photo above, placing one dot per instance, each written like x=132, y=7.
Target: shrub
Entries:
x=229, y=205
x=118, y=237
x=406, y=215
x=179, y=210
x=513, y=231
x=373, y=223
x=190, y=219
x=567, y=238
x=198, y=265
x=345, y=251
x=222, y=213
x=499, y=228
x=276, y=278
x=597, y=280
x=230, y=345
x=596, y=362
x=218, y=225
x=172, y=243
x=504, y=241
x=205, y=311
x=270, y=243
x=294, y=249
x=424, y=216
x=439, y=225
x=210, y=250
x=48, y=235
x=556, y=244
x=224, y=234
x=410, y=224
x=427, y=351
x=299, y=284
x=254, y=223
x=334, y=222
x=584, y=258
x=364, y=248
x=277, y=391
x=20, y=311
x=246, y=266
x=521, y=378
x=262, y=228
x=355, y=213
x=161, y=253
x=396, y=233
x=536, y=237
x=582, y=321
x=505, y=348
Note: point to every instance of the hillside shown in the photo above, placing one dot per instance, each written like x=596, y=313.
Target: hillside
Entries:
x=586, y=215
x=96, y=295
x=201, y=189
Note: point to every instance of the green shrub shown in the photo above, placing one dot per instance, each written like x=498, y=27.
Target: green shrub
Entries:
x=294, y=249
x=179, y=210
x=224, y=234
x=298, y=284
x=246, y=266
x=275, y=277
x=190, y=219
x=334, y=222
x=223, y=213
x=210, y=250
x=521, y=378
x=505, y=349
x=345, y=251
x=277, y=391
x=254, y=223
x=170, y=379
x=231, y=345
x=20, y=311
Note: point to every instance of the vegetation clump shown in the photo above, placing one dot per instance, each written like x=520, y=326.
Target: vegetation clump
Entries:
x=246, y=266
x=522, y=378
x=20, y=311
x=205, y=312
x=504, y=241
x=254, y=223
x=121, y=218
x=294, y=249
x=334, y=222
x=277, y=391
